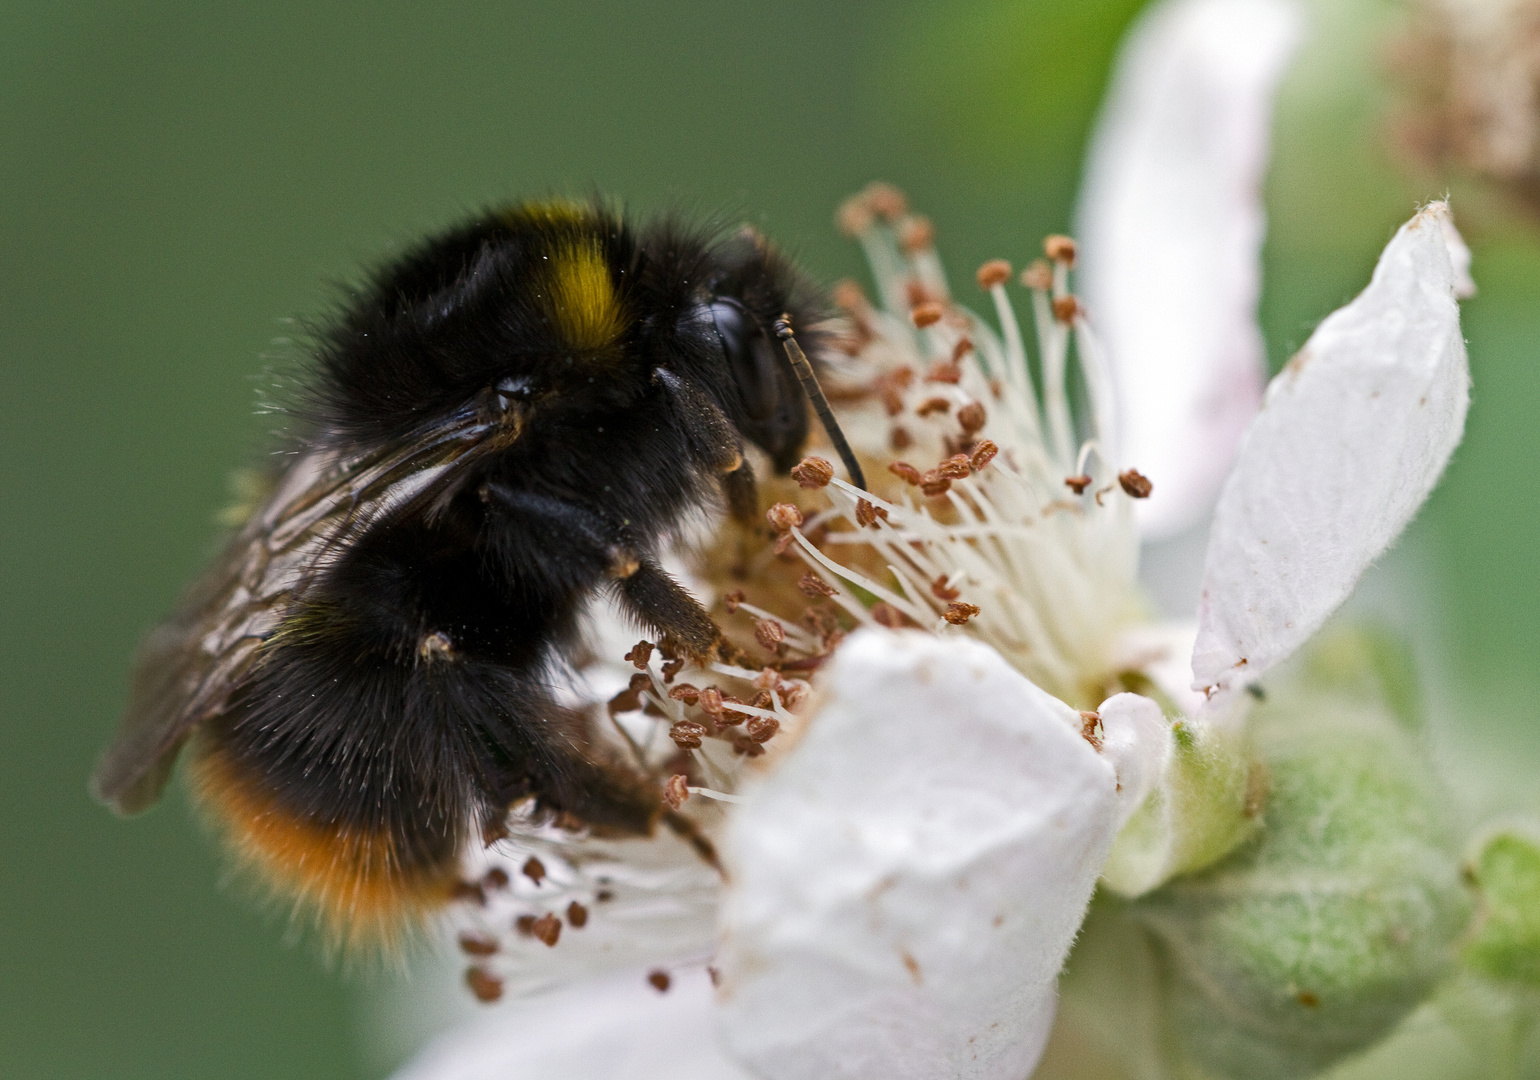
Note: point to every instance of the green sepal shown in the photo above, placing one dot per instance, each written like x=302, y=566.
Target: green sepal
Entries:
x=1505, y=943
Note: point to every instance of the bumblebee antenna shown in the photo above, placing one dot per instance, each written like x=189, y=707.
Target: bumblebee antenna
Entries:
x=814, y=392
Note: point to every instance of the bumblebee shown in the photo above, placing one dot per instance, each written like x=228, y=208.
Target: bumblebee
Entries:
x=511, y=420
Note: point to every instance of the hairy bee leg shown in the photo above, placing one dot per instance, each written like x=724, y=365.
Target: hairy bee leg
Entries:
x=661, y=602
x=707, y=425
x=742, y=494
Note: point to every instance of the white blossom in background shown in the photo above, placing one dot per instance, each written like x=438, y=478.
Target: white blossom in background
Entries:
x=907, y=867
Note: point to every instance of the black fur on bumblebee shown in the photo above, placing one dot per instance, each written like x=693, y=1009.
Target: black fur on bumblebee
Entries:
x=513, y=418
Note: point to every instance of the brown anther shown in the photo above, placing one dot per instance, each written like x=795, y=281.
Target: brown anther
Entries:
x=886, y=199
x=731, y=601
x=849, y=297
x=811, y=584
x=659, y=980
x=546, y=930
x=766, y=679
x=899, y=438
x=1078, y=484
x=687, y=734
x=525, y=924
x=640, y=653
x=944, y=371
x=769, y=633
x=495, y=879
x=1090, y=722
x=763, y=700
x=983, y=454
x=885, y=614
x=917, y=234
x=933, y=483
x=1038, y=276
x=972, y=417
x=476, y=945
x=915, y=293
x=676, y=790
x=469, y=892
x=627, y=700
x=603, y=896
x=958, y=612
x=486, y=986
x=956, y=467
x=577, y=915
x=867, y=514
x=684, y=692
x=746, y=746
x=762, y=728
x=640, y=681
x=533, y=869
x=812, y=472
x=994, y=272
x=961, y=349
x=730, y=715
x=783, y=517
x=942, y=591
x=1060, y=249
x=672, y=668
x=933, y=405
x=905, y=472
x=793, y=693
x=1134, y=484
x=1065, y=308
x=855, y=215
x=784, y=544
x=711, y=701
x=903, y=377
x=926, y=313
x=714, y=975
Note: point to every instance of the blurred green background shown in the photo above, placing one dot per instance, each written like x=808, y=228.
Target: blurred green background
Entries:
x=179, y=179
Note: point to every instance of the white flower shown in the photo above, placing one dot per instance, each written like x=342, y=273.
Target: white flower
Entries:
x=906, y=873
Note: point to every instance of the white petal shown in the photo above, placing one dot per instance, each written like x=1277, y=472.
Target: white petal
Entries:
x=1136, y=739
x=618, y=1028
x=1171, y=227
x=1353, y=435
x=905, y=886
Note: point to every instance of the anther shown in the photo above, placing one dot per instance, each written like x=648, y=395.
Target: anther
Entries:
x=577, y=915
x=1065, y=308
x=486, y=986
x=1090, y=725
x=731, y=600
x=933, y=405
x=885, y=614
x=769, y=634
x=495, y=879
x=684, y=692
x=972, y=417
x=640, y=654
x=961, y=349
x=956, y=467
x=812, y=472
x=546, y=929
x=1135, y=485
x=983, y=454
x=905, y=472
x=867, y=514
x=783, y=517
x=1038, y=276
x=762, y=728
x=994, y=272
x=917, y=234
x=944, y=371
x=926, y=313
x=1060, y=249
x=711, y=701
x=687, y=734
x=676, y=790
x=942, y=591
x=886, y=200
x=855, y=215
x=849, y=297
x=812, y=585
x=476, y=945
x=933, y=483
x=957, y=613
x=533, y=869
x=899, y=438
x=659, y=981
x=1078, y=484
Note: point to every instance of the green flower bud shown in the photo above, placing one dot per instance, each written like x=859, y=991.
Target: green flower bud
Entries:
x=1506, y=941
x=1315, y=940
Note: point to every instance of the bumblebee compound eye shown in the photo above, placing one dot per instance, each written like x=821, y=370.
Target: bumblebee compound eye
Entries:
x=772, y=414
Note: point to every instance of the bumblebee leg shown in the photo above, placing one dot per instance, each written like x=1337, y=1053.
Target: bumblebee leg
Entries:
x=742, y=493
x=714, y=436
x=662, y=602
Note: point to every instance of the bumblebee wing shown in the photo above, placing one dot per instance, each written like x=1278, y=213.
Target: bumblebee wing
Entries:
x=188, y=666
